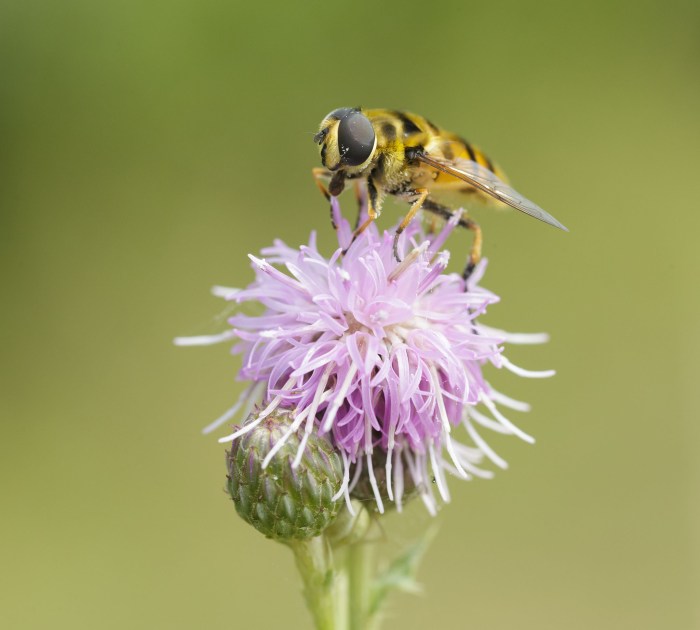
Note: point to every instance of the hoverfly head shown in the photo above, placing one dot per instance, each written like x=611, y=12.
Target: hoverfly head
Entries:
x=347, y=139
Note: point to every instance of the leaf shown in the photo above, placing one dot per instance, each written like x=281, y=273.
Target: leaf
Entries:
x=401, y=573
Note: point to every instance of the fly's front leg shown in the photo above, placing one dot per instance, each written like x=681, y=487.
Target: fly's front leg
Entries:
x=415, y=207
x=360, y=202
x=475, y=251
x=372, y=212
x=335, y=187
x=320, y=175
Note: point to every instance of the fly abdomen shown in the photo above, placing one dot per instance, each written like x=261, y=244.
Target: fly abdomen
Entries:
x=475, y=154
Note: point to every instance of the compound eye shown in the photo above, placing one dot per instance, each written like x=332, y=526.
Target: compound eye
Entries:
x=355, y=138
x=340, y=113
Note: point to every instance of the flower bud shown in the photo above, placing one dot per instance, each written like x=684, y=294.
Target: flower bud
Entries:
x=280, y=501
x=364, y=492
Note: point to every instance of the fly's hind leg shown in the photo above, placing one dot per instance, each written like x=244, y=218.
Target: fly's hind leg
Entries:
x=475, y=251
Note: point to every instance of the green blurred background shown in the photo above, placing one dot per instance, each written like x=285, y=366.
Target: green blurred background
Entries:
x=146, y=148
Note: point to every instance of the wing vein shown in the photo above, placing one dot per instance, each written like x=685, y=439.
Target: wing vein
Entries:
x=483, y=179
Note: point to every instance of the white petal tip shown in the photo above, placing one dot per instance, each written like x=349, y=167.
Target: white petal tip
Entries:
x=260, y=263
x=224, y=292
x=204, y=340
x=525, y=373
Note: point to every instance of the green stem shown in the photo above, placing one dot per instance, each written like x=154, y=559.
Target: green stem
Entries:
x=324, y=588
x=359, y=560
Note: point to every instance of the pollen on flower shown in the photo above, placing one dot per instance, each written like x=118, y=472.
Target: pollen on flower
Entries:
x=386, y=357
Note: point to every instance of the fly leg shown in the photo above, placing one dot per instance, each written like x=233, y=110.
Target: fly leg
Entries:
x=335, y=187
x=433, y=226
x=360, y=202
x=373, y=210
x=475, y=251
x=320, y=175
x=415, y=207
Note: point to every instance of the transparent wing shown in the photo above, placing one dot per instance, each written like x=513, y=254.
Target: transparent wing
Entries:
x=476, y=175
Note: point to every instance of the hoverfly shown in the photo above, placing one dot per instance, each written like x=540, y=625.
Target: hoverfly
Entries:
x=405, y=155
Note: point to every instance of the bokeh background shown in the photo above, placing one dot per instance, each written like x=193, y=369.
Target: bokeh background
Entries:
x=146, y=148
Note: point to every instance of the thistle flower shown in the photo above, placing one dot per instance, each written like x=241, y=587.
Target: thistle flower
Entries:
x=386, y=358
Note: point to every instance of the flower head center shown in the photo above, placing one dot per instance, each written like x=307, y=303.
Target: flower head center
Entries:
x=353, y=326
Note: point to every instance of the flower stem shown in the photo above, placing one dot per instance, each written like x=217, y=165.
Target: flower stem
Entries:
x=359, y=562
x=324, y=588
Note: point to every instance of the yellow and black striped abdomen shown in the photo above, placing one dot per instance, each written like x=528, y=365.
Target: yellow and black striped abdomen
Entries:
x=398, y=131
x=453, y=147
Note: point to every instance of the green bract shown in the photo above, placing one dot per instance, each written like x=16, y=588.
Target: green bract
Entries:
x=364, y=492
x=280, y=501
